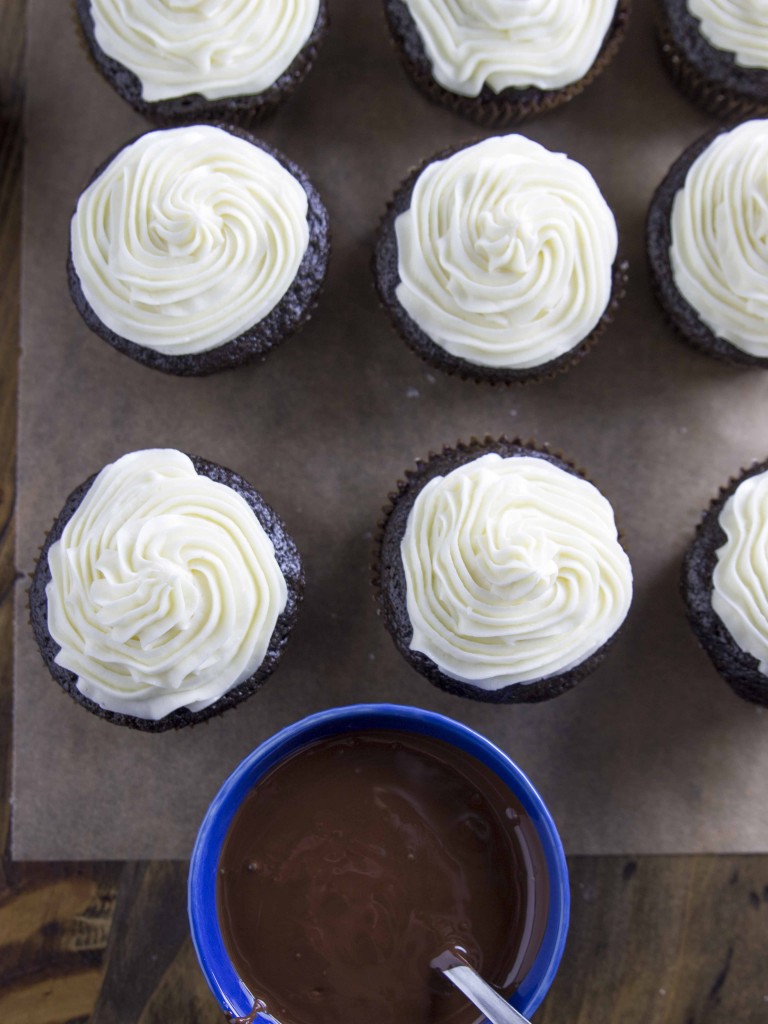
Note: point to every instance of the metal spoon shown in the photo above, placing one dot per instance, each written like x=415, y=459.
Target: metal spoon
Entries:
x=467, y=980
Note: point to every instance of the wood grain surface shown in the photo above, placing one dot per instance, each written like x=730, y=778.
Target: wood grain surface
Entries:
x=657, y=940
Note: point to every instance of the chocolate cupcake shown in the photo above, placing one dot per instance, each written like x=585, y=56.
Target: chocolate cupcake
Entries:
x=725, y=583
x=706, y=244
x=498, y=63
x=499, y=572
x=717, y=53
x=186, y=63
x=165, y=591
x=498, y=261
x=197, y=249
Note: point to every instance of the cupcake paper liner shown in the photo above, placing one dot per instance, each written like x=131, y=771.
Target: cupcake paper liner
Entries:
x=706, y=76
x=386, y=279
x=293, y=310
x=246, y=111
x=738, y=668
x=490, y=109
x=288, y=559
x=388, y=575
x=679, y=313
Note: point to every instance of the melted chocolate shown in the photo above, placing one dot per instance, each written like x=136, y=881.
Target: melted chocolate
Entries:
x=356, y=861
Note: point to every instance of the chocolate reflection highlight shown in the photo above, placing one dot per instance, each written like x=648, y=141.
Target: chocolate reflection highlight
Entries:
x=357, y=860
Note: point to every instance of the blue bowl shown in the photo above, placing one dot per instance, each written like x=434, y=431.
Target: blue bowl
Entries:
x=232, y=994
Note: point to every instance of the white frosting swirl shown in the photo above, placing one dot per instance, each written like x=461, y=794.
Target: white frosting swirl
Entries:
x=740, y=578
x=513, y=571
x=510, y=43
x=164, y=589
x=719, y=250
x=217, y=48
x=188, y=238
x=738, y=26
x=505, y=255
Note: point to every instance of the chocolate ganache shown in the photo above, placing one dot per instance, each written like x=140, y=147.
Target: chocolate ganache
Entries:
x=360, y=858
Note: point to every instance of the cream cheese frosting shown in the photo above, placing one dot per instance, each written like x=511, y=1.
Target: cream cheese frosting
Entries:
x=740, y=577
x=216, y=48
x=719, y=232
x=164, y=589
x=506, y=253
x=510, y=43
x=188, y=238
x=513, y=571
x=739, y=27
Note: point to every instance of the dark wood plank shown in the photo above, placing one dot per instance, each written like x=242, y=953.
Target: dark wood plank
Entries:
x=658, y=939
x=682, y=940
x=150, y=928
x=54, y=925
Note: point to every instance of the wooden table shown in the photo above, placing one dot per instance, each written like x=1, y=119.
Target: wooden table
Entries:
x=678, y=940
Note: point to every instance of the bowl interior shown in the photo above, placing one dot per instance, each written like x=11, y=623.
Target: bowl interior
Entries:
x=232, y=994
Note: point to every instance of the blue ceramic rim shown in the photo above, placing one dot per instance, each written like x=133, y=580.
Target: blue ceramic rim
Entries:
x=231, y=993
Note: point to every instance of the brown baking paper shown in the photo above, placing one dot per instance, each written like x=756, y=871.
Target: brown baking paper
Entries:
x=652, y=754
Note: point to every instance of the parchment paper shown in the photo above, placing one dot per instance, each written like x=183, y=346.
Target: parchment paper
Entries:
x=652, y=754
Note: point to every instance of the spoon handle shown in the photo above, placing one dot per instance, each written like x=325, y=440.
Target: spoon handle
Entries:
x=485, y=998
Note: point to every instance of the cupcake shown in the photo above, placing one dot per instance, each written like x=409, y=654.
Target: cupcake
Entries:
x=499, y=572
x=706, y=244
x=197, y=249
x=717, y=53
x=725, y=583
x=498, y=261
x=498, y=63
x=165, y=591
x=182, y=63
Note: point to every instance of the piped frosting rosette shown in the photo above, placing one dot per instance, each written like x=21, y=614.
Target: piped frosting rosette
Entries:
x=719, y=237
x=216, y=48
x=740, y=577
x=188, y=238
x=510, y=43
x=513, y=571
x=724, y=583
x=164, y=590
x=506, y=253
x=739, y=27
